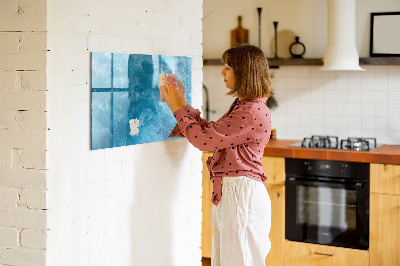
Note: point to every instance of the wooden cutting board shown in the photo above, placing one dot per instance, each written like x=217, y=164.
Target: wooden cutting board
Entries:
x=239, y=35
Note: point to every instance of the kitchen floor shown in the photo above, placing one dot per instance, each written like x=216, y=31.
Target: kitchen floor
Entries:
x=206, y=261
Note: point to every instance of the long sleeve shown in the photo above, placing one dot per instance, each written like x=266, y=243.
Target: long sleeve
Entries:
x=231, y=130
x=193, y=113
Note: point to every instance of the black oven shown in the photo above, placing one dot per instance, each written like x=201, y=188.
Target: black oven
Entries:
x=327, y=202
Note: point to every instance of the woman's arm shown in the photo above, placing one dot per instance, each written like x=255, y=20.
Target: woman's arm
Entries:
x=193, y=113
x=174, y=93
x=239, y=127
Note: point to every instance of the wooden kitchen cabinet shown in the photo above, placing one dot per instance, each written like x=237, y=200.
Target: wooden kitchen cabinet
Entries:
x=305, y=254
x=385, y=178
x=274, y=168
x=206, y=225
x=384, y=236
x=385, y=215
x=277, y=233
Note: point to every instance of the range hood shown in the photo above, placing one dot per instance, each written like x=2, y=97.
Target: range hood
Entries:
x=341, y=51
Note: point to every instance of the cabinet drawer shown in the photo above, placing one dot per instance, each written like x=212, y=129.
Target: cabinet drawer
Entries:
x=304, y=254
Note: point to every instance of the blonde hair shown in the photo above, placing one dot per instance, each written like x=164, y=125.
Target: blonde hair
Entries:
x=250, y=66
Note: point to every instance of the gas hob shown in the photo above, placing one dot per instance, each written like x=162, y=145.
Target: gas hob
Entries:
x=332, y=142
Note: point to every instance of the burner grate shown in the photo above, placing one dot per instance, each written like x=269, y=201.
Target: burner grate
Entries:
x=327, y=142
x=358, y=144
x=332, y=142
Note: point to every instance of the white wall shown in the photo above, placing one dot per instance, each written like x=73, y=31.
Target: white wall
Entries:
x=136, y=205
x=23, y=133
x=343, y=104
x=311, y=102
x=306, y=19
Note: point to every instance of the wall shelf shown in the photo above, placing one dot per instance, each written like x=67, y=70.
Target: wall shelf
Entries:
x=380, y=61
x=274, y=63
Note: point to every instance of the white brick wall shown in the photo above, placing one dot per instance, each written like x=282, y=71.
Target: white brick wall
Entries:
x=8, y=197
x=11, y=256
x=9, y=237
x=23, y=132
x=136, y=205
x=33, y=239
x=110, y=207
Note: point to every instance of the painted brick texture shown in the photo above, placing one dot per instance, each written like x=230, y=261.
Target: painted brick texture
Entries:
x=23, y=132
x=33, y=239
x=136, y=205
x=108, y=207
x=9, y=237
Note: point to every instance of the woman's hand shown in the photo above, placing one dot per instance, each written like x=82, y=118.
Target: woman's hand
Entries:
x=173, y=94
x=181, y=91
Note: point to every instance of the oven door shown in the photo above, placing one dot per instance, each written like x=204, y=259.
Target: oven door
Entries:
x=327, y=213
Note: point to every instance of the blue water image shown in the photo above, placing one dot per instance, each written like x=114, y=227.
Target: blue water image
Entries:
x=125, y=91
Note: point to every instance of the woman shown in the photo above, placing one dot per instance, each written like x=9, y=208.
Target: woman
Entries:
x=242, y=211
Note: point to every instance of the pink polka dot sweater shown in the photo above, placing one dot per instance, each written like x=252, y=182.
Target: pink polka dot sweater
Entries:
x=238, y=139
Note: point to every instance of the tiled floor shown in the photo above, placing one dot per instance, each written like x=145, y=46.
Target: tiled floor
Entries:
x=206, y=261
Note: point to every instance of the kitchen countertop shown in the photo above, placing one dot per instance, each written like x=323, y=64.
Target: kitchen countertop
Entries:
x=389, y=154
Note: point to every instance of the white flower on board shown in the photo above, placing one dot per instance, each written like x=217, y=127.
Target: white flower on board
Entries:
x=134, y=125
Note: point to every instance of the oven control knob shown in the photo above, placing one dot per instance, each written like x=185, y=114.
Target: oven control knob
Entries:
x=308, y=166
x=343, y=168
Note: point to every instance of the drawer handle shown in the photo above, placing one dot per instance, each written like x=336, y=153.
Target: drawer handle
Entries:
x=324, y=254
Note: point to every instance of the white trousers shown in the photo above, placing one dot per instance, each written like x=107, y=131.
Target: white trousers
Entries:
x=241, y=223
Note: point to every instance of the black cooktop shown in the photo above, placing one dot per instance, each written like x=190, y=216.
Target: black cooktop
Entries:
x=332, y=142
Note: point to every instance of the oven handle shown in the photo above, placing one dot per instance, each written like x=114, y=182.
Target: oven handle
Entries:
x=357, y=185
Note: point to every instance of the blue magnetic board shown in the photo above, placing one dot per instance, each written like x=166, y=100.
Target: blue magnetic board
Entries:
x=125, y=97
